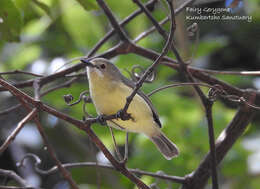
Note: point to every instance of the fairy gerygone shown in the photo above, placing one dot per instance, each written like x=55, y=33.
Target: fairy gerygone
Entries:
x=109, y=90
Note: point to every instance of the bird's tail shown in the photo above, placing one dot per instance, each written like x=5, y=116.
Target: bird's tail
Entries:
x=164, y=145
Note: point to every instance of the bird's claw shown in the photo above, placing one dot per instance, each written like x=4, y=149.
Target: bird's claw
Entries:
x=123, y=115
x=101, y=120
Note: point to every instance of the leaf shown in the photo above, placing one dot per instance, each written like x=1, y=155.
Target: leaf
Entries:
x=88, y=4
x=25, y=56
x=83, y=28
x=44, y=7
x=208, y=46
x=10, y=21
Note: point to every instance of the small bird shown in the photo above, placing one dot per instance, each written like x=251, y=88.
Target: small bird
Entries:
x=109, y=90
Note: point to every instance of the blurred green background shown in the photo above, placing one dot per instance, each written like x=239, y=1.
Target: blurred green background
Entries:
x=40, y=36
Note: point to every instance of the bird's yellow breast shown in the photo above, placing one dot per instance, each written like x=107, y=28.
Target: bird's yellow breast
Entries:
x=110, y=96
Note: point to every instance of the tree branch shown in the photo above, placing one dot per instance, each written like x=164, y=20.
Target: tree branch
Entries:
x=81, y=125
x=54, y=169
x=112, y=19
x=227, y=138
x=150, y=68
x=14, y=176
x=150, y=4
x=20, y=125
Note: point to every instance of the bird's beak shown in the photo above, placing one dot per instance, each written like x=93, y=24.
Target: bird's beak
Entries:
x=87, y=62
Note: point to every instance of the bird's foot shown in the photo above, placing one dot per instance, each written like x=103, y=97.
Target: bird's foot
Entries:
x=124, y=161
x=101, y=120
x=123, y=115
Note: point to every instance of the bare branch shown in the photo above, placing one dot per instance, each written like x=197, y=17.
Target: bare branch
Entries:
x=150, y=30
x=150, y=4
x=119, y=156
x=213, y=163
x=54, y=169
x=82, y=94
x=63, y=85
x=165, y=20
x=160, y=29
x=241, y=73
x=47, y=79
x=7, y=111
x=16, y=187
x=113, y=21
x=225, y=141
x=20, y=125
x=81, y=125
x=178, y=85
x=20, y=72
x=150, y=69
x=66, y=174
x=14, y=176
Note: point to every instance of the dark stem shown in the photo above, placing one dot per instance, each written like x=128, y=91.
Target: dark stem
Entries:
x=227, y=138
x=150, y=68
x=150, y=4
x=212, y=144
x=113, y=21
x=79, y=124
x=54, y=169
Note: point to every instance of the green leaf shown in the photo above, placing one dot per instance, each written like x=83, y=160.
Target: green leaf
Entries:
x=208, y=46
x=25, y=56
x=83, y=28
x=10, y=21
x=88, y=4
x=44, y=7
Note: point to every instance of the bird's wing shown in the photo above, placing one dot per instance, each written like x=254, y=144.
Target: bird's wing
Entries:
x=131, y=84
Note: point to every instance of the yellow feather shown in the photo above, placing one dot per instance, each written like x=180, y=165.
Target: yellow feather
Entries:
x=110, y=96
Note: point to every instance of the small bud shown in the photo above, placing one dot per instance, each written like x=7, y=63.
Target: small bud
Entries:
x=87, y=99
x=68, y=98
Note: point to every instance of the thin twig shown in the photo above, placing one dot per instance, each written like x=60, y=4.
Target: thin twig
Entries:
x=115, y=144
x=149, y=31
x=66, y=174
x=54, y=169
x=160, y=29
x=20, y=125
x=165, y=20
x=16, y=187
x=8, y=110
x=120, y=48
x=208, y=106
x=66, y=84
x=14, y=176
x=227, y=138
x=110, y=33
x=80, y=98
x=178, y=85
x=126, y=147
x=83, y=74
x=63, y=85
x=79, y=124
x=150, y=69
x=241, y=73
x=212, y=144
x=113, y=21
x=20, y=72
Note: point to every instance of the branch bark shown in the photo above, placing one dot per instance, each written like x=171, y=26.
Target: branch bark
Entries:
x=81, y=125
x=227, y=138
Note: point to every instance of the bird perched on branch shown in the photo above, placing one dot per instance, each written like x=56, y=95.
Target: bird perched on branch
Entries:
x=109, y=90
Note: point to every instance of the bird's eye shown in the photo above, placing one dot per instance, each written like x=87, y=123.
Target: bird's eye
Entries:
x=102, y=66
